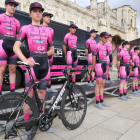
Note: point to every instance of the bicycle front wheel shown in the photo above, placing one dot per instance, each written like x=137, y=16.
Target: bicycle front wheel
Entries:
x=73, y=107
x=12, y=117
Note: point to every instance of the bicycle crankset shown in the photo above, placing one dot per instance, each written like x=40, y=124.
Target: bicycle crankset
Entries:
x=42, y=123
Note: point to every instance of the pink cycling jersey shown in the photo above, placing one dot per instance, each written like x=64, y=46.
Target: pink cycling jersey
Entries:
x=132, y=52
x=135, y=60
x=120, y=48
x=101, y=53
x=9, y=26
x=70, y=41
x=36, y=37
x=124, y=57
x=90, y=45
x=109, y=48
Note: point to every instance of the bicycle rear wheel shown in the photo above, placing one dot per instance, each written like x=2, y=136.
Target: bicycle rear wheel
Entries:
x=73, y=107
x=10, y=104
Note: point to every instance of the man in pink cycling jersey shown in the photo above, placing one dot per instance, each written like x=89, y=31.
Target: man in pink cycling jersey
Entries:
x=89, y=47
x=37, y=38
x=132, y=52
x=136, y=69
x=99, y=66
x=123, y=65
x=109, y=57
x=46, y=20
x=9, y=27
x=119, y=49
x=70, y=49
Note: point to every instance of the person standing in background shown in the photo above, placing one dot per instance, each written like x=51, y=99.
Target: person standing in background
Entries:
x=70, y=50
x=109, y=57
x=9, y=28
x=89, y=47
x=46, y=20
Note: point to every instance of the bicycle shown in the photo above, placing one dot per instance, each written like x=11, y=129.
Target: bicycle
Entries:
x=72, y=111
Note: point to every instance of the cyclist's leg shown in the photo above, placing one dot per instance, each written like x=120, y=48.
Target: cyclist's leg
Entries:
x=136, y=75
x=90, y=65
x=50, y=63
x=12, y=72
x=74, y=65
x=3, y=61
x=26, y=108
x=99, y=79
x=123, y=76
x=107, y=66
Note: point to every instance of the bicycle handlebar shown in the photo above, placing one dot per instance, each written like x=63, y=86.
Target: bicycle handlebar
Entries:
x=24, y=63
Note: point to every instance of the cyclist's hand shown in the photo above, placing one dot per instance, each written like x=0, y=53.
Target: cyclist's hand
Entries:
x=31, y=63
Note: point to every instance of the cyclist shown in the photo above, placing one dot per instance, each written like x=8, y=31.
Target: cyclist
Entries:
x=37, y=38
x=119, y=49
x=70, y=49
x=46, y=20
x=9, y=27
x=135, y=66
x=123, y=65
x=109, y=58
x=99, y=66
x=89, y=47
x=132, y=52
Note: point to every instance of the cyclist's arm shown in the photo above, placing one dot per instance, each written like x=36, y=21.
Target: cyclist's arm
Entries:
x=94, y=61
x=51, y=46
x=18, y=52
x=64, y=49
x=86, y=51
x=51, y=51
x=87, y=47
x=120, y=55
x=19, y=40
x=65, y=43
x=94, y=55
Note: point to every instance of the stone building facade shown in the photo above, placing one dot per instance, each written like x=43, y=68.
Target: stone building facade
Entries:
x=120, y=22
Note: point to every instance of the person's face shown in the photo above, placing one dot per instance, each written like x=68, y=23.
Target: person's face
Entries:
x=47, y=19
x=127, y=46
x=110, y=39
x=10, y=7
x=36, y=14
x=138, y=51
x=103, y=39
x=72, y=30
x=93, y=35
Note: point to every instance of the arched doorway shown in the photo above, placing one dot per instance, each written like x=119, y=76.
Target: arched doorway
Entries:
x=116, y=43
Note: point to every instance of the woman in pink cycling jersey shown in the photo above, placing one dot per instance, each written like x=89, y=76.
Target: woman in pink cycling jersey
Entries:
x=123, y=65
x=70, y=49
x=9, y=27
x=99, y=66
x=136, y=70
x=89, y=47
x=37, y=38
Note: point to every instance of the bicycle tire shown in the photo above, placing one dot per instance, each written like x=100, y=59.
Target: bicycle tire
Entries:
x=65, y=99
x=14, y=99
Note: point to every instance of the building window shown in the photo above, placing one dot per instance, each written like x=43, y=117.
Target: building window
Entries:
x=71, y=22
x=88, y=29
x=18, y=7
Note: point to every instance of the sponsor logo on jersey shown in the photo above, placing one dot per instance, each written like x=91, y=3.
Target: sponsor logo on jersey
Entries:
x=40, y=48
x=9, y=33
x=39, y=41
x=9, y=28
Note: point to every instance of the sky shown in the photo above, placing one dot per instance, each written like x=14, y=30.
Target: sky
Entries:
x=117, y=3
